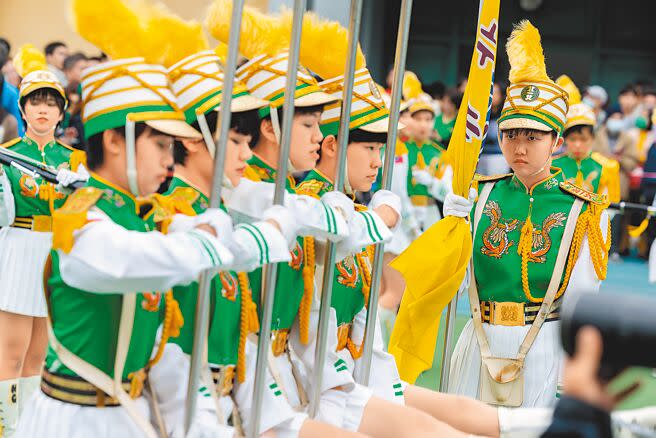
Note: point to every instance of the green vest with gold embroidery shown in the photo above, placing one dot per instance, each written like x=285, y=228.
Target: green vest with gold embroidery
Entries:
x=585, y=173
x=426, y=157
x=87, y=323
x=225, y=301
x=347, y=298
x=289, y=286
x=497, y=263
x=32, y=195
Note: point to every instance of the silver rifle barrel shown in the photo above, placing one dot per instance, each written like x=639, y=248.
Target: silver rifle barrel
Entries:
x=270, y=272
x=397, y=85
x=329, y=262
x=205, y=281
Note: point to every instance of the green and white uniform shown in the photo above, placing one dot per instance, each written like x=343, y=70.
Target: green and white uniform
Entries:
x=426, y=157
x=232, y=317
x=26, y=224
x=507, y=306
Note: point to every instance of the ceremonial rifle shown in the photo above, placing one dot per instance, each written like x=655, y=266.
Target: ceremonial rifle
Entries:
x=204, y=284
x=270, y=272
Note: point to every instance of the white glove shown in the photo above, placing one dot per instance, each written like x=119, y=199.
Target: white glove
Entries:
x=388, y=198
x=286, y=222
x=217, y=219
x=422, y=177
x=67, y=177
x=205, y=425
x=341, y=202
x=458, y=206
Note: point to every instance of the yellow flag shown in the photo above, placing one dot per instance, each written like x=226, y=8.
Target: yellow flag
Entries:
x=433, y=277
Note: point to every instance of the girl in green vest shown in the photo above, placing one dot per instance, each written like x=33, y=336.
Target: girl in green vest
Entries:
x=538, y=242
x=26, y=204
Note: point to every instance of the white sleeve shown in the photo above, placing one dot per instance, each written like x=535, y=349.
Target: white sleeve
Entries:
x=583, y=278
x=366, y=228
x=7, y=207
x=250, y=199
x=442, y=186
x=107, y=258
x=257, y=244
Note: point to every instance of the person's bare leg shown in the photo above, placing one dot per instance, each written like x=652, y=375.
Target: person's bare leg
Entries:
x=313, y=429
x=15, y=334
x=36, y=351
x=394, y=285
x=384, y=419
x=463, y=413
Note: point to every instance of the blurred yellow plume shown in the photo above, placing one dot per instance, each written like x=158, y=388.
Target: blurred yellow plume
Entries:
x=260, y=33
x=568, y=85
x=29, y=59
x=324, y=45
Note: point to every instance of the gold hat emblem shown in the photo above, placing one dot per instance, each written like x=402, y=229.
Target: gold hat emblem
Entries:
x=530, y=93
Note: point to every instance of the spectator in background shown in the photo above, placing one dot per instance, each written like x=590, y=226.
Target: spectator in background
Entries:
x=629, y=105
x=436, y=91
x=445, y=122
x=596, y=98
x=492, y=161
x=462, y=85
x=56, y=53
x=11, y=125
x=72, y=126
x=73, y=66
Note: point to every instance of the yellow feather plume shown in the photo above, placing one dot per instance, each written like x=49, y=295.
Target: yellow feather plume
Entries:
x=221, y=50
x=168, y=37
x=109, y=25
x=260, y=33
x=29, y=59
x=324, y=45
x=568, y=85
x=411, y=86
x=525, y=54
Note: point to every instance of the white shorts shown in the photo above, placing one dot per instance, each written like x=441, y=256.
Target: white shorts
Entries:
x=344, y=409
x=23, y=255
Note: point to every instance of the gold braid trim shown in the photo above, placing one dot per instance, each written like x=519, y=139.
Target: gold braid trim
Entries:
x=173, y=321
x=308, y=289
x=356, y=351
x=524, y=248
x=249, y=323
x=586, y=223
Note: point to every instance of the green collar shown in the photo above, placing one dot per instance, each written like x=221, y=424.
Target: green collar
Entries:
x=114, y=193
x=545, y=186
x=29, y=141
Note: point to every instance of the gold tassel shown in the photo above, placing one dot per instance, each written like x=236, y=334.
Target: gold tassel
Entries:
x=249, y=323
x=637, y=231
x=173, y=322
x=308, y=289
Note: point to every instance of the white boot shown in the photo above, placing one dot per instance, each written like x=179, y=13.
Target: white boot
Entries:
x=8, y=407
x=523, y=422
x=26, y=387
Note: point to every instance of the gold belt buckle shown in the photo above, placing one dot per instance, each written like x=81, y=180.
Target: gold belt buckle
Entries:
x=507, y=313
x=42, y=224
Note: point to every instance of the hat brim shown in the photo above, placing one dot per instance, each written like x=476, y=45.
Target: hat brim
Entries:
x=524, y=123
x=175, y=128
x=314, y=99
x=379, y=126
x=245, y=103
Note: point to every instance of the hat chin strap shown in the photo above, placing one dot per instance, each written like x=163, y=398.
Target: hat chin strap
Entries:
x=131, y=157
x=348, y=189
x=207, y=134
x=275, y=123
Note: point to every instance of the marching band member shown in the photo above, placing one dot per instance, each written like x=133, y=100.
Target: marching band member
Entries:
x=538, y=240
x=582, y=167
x=25, y=218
